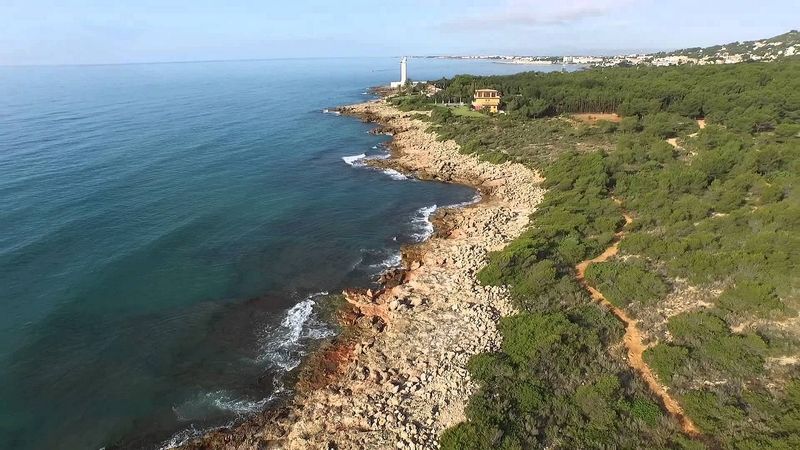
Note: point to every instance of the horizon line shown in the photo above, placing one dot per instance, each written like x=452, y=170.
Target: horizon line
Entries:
x=194, y=61
x=284, y=58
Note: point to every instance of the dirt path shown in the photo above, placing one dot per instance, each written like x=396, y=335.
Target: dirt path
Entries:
x=633, y=339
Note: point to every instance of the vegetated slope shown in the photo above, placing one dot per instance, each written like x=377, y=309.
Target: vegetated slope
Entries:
x=744, y=97
x=633, y=339
x=708, y=269
x=786, y=44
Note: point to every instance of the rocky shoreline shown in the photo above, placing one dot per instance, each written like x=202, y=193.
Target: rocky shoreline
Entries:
x=396, y=377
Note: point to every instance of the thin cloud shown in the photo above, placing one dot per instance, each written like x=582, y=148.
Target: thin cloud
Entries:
x=534, y=13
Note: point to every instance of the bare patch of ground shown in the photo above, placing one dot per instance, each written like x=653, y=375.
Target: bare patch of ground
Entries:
x=593, y=118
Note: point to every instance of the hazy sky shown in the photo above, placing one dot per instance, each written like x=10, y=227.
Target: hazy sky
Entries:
x=115, y=31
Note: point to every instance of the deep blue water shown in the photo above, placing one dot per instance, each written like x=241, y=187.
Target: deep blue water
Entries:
x=163, y=231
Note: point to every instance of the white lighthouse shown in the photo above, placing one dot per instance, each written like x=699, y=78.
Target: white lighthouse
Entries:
x=403, y=74
x=403, y=71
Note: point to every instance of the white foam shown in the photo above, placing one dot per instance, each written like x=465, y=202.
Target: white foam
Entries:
x=391, y=261
x=354, y=160
x=327, y=111
x=200, y=407
x=183, y=437
x=283, y=346
x=295, y=319
x=360, y=161
x=240, y=406
x=223, y=401
x=395, y=175
x=422, y=222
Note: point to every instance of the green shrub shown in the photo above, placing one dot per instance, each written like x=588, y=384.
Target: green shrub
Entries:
x=440, y=114
x=623, y=283
x=666, y=125
x=531, y=336
x=751, y=297
x=630, y=125
x=466, y=436
x=413, y=102
x=596, y=400
x=734, y=355
x=711, y=412
x=665, y=360
x=696, y=328
x=494, y=157
x=646, y=411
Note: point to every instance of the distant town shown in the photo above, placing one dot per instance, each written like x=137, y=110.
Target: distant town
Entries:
x=785, y=45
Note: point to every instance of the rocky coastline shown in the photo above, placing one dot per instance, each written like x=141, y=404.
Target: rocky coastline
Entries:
x=396, y=377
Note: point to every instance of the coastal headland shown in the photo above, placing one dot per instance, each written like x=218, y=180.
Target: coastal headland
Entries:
x=396, y=376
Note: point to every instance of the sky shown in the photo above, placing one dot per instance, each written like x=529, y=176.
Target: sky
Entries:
x=127, y=31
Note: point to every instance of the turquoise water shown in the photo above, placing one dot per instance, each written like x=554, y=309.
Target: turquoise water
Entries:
x=167, y=232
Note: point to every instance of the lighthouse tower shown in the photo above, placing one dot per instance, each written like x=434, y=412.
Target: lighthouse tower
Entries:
x=403, y=74
x=403, y=71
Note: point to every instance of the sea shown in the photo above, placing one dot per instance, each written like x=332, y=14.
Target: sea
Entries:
x=171, y=234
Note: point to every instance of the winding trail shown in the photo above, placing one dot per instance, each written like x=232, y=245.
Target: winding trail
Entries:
x=633, y=339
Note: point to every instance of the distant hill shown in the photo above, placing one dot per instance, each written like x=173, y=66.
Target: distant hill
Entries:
x=782, y=46
x=787, y=44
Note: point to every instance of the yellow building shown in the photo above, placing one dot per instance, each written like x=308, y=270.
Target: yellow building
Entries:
x=486, y=98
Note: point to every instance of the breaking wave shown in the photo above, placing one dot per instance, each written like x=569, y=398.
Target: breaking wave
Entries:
x=379, y=261
x=393, y=260
x=360, y=160
x=422, y=223
x=354, y=160
x=221, y=400
x=184, y=436
x=285, y=345
x=395, y=175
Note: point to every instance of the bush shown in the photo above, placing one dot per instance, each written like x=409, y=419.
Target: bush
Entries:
x=411, y=102
x=623, y=283
x=595, y=401
x=441, y=115
x=531, y=336
x=630, y=125
x=666, y=125
x=713, y=346
x=711, y=412
x=646, y=411
x=751, y=298
x=666, y=360
x=466, y=436
x=696, y=328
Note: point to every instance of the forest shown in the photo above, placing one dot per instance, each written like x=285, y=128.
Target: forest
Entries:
x=709, y=265
x=744, y=97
